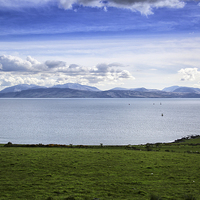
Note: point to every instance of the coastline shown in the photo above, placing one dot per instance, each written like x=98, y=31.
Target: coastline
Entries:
x=193, y=140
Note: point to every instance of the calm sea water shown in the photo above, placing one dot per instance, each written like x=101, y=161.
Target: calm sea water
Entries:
x=95, y=121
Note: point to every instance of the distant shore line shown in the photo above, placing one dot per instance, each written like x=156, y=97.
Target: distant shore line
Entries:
x=183, y=139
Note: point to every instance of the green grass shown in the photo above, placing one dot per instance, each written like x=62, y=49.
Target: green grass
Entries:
x=104, y=173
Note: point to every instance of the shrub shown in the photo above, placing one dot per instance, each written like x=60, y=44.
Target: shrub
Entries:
x=9, y=144
x=148, y=146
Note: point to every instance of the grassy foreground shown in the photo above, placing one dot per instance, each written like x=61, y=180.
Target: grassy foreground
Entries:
x=143, y=172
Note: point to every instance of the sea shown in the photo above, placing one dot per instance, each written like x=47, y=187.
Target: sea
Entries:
x=98, y=121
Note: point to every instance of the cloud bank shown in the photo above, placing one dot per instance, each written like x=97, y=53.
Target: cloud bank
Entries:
x=143, y=6
x=14, y=70
x=188, y=74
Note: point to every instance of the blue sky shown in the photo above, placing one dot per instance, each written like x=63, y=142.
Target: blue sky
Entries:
x=107, y=44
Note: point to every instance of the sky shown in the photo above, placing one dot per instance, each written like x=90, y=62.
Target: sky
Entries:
x=106, y=44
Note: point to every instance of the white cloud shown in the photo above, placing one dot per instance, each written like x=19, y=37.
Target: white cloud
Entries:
x=143, y=6
x=10, y=79
x=125, y=74
x=32, y=60
x=55, y=64
x=14, y=70
x=12, y=63
x=66, y=4
x=188, y=74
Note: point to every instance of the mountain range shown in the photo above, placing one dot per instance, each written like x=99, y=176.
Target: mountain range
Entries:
x=75, y=90
x=75, y=86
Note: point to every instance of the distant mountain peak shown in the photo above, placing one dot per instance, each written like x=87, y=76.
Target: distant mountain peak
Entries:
x=77, y=86
x=182, y=89
x=187, y=90
x=170, y=89
x=142, y=89
x=119, y=88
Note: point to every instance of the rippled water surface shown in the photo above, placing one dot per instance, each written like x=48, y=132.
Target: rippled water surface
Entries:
x=95, y=121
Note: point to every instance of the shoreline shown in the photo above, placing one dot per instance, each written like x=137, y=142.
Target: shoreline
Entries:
x=177, y=141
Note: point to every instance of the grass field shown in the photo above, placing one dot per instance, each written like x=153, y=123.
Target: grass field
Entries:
x=142, y=172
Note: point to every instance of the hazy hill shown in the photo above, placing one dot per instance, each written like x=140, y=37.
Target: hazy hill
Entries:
x=142, y=89
x=181, y=89
x=119, y=88
x=76, y=86
x=63, y=91
x=71, y=93
x=170, y=89
x=187, y=89
x=19, y=88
